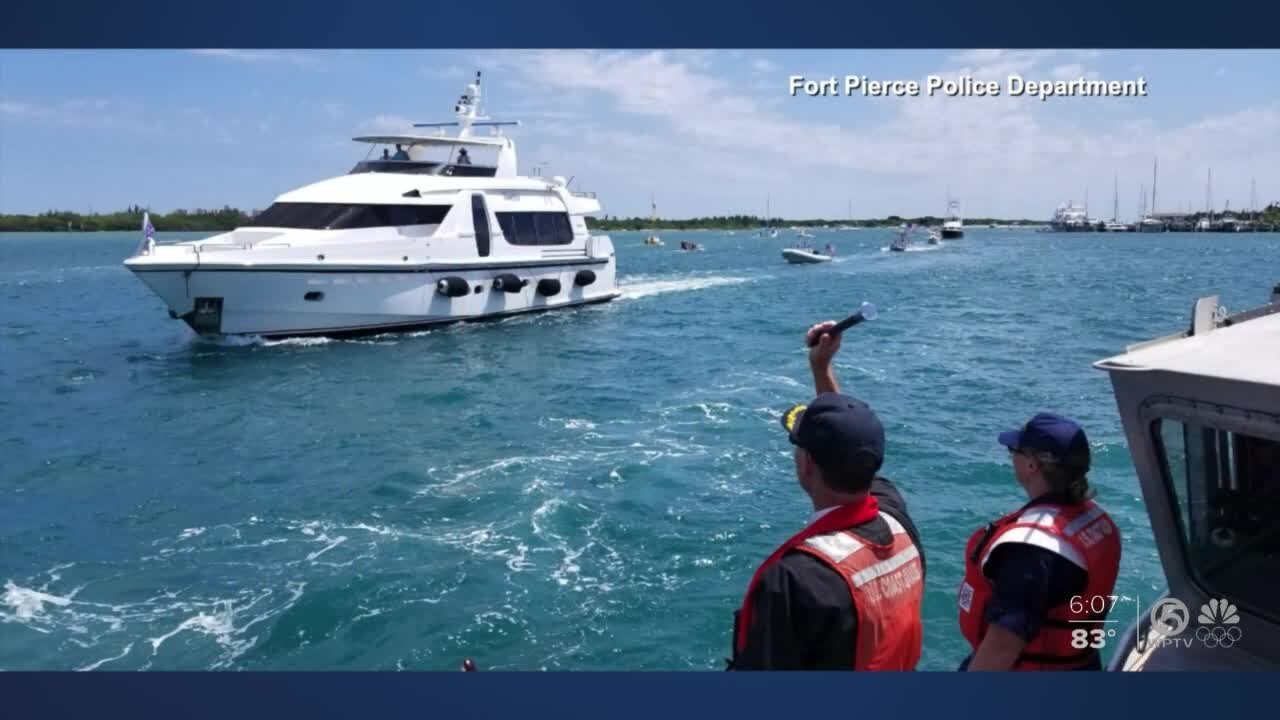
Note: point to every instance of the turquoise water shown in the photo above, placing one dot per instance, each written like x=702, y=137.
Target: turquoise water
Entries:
x=582, y=490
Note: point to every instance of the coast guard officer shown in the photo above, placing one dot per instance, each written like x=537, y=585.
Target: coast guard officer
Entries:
x=1038, y=581
x=845, y=592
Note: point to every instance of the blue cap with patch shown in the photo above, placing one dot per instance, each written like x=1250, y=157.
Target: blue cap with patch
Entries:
x=841, y=433
x=1059, y=436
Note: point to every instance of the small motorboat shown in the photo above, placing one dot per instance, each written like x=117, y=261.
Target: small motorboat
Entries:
x=899, y=245
x=689, y=246
x=653, y=240
x=935, y=238
x=803, y=256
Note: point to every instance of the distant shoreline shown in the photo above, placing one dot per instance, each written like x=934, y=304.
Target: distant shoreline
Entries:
x=229, y=218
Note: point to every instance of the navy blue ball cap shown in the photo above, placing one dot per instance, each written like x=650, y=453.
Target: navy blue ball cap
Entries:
x=1059, y=436
x=840, y=432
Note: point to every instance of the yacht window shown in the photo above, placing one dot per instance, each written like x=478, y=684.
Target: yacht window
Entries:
x=480, y=221
x=536, y=228
x=1227, y=487
x=342, y=216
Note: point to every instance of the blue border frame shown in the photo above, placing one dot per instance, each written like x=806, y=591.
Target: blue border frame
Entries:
x=653, y=23
x=615, y=696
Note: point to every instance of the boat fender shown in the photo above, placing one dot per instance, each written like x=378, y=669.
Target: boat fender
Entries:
x=507, y=282
x=452, y=286
x=584, y=278
x=549, y=287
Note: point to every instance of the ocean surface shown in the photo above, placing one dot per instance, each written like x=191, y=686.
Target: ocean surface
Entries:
x=589, y=489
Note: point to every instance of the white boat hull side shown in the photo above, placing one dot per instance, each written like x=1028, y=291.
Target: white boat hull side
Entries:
x=800, y=257
x=273, y=303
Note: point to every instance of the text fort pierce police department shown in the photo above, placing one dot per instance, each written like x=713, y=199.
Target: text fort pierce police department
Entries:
x=965, y=86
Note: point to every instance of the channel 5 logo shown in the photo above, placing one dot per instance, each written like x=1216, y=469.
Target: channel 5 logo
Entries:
x=1219, y=622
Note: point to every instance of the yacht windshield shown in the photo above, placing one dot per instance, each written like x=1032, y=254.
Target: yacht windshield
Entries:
x=456, y=162
x=1227, y=487
x=345, y=216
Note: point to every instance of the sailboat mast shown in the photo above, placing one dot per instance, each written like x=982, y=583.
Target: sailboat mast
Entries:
x=1115, y=202
x=1208, y=195
x=1154, y=164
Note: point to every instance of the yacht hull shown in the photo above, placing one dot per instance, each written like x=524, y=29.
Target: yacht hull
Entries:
x=287, y=303
x=952, y=234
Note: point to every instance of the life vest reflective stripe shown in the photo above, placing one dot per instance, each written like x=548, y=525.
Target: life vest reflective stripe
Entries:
x=1083, y=534
x=845, y=516
x=886, y=583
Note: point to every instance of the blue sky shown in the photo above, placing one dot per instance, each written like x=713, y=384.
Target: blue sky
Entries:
x=706, y=132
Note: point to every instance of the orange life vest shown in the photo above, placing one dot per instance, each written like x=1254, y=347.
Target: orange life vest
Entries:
x=886, y=583
x=1082, y=533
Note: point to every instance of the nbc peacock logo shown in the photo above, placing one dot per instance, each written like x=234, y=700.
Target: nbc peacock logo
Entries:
x=1219, y=624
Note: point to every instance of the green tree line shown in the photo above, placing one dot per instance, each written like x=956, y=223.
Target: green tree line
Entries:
x=228, y=218
x=130, y=218
x=745, y=222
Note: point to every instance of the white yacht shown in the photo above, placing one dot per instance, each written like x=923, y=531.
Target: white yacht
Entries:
x=425, y=236
x=953, y=227
x=1070, y=217
x=1151, y=224
x=1201, y=414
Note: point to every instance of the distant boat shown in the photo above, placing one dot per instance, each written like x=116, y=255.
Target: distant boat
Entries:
x=804, y=256
x=766, y=231
x=935, y=238
x=953, y=228
x=653, y=222
x=804, y=233
x=1070, y=218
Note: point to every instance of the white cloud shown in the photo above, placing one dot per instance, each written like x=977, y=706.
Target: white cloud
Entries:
x=1009, y=155
x=83, y=113
x=387, y=124
x=1067, y=72
x=447, y=72
x=282, y=57
x=765, y=66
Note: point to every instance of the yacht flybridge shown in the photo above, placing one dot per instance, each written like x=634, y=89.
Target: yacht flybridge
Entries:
x=428, y=228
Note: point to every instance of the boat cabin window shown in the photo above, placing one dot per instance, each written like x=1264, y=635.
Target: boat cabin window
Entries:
x=536, y=228
x=342, y=216
x=1227, y=487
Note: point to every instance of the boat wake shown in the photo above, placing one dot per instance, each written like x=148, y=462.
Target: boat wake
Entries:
x=641, y=286
x=914, y=248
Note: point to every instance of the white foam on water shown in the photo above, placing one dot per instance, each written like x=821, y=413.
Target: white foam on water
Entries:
x=219, y=622
x=298, y=342
x=635, y=289
x=103, y=661
x=191, y=532
x=27, y=603
x=333, y=543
